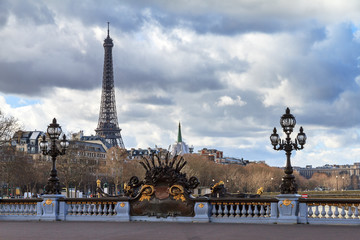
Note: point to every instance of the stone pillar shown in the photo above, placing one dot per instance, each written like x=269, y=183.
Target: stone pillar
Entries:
x=50, y=207
x=303, y=213
x=123, y=211
x=63, y=207
x=201, y=212
x=288, y=208
x=274, y=210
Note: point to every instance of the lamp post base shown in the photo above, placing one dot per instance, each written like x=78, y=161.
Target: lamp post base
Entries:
x=53, y=186
x=288, y=206
x=50, y=207
x=288, y=185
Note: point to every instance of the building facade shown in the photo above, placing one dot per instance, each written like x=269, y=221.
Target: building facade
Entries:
x=347, y=169
x=27, y=141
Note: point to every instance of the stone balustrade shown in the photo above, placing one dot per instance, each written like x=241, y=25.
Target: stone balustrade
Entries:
x=327, y=211
x=94, y=209
x=283, y=209
x=255, y=210
x=19, y=208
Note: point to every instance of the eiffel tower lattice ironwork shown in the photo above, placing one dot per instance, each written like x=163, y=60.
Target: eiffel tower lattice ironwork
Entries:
x=108, y=126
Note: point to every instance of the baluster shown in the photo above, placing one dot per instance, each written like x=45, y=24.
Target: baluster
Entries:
x=89, y=210
x=343, y=211
x=70, y=208
x=84, y=209
x=262, y=211
x=336, y=213
x=356, y=214
x=34, y=209
x=256, y=210
x=330, y=213
x=243, y=211
x=237, y=210
x=220, y=210
x=78, y=209
x=95, y=209
x=317, y=211
x=22, y=209
x=268, y=210
x=310, y=211
x=100, y=211
x=16, y=209
x=350, y=213
x=323, y=212
x=73, y=211
x=110, y=209
x=11, y=211
x=6, y=209
x=231, y=211
x=225, y=211
x=105, y=210
x=26, y=209
x=75, y=206
x=213, y=210
x=249, y=212
x=31, y=210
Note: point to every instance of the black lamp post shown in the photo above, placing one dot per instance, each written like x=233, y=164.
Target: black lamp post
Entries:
x=51, y=149
x=287, y=122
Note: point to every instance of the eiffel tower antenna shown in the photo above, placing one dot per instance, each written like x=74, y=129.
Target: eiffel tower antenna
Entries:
x=108, y=126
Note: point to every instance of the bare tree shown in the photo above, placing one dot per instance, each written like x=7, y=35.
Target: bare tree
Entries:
x=114, y=166
x=75, y=168
x=8, y=126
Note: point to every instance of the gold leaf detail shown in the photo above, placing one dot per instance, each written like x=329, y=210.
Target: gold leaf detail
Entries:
x=287, y=202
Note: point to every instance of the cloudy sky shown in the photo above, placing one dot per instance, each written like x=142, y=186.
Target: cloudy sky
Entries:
x=226, y=70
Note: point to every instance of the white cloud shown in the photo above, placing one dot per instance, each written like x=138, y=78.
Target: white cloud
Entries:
x=228, y=101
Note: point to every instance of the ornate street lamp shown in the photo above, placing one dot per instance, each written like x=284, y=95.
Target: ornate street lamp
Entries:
x=51, y=149
x=287, y=122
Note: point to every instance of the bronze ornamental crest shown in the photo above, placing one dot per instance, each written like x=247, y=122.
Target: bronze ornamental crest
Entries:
x=165, y=191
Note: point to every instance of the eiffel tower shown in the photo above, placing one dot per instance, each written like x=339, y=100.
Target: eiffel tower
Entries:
x=108, y=127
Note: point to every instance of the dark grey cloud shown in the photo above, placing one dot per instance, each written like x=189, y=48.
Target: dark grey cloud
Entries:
x=38, y=77
x=156, y=100
x=4, y=13
x=27, y=12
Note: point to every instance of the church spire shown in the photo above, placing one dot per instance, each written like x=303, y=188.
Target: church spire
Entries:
x=179, y=134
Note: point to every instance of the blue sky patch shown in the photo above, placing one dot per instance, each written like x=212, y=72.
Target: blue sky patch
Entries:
x=16, y=102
